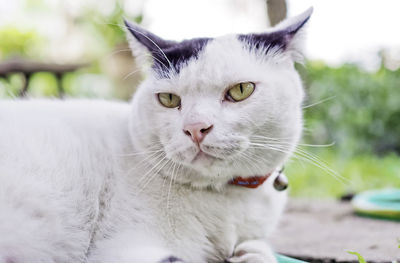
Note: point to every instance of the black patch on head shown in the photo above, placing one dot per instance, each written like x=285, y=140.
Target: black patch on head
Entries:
x=182, y=52
x=277, y=40
x=168, y=56
x=265, y=41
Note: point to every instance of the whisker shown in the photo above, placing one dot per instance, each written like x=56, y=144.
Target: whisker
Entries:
x=275, y=140
x=117, y=51
x=145, y=161
x=156, y=173
x=319, y=102
x=153, y=168
x=139, y=153
x=131, y=74
x=271, y=138
x=251, y=160
x=308, y=157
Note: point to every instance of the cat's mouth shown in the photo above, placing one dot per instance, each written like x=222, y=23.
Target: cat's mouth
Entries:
x=205, y=157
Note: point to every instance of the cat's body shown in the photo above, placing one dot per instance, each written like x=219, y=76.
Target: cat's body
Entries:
x=77, y=209
x=96, y=181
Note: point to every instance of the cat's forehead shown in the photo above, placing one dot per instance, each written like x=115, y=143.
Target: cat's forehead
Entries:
x=219, y=63
x=188, y=52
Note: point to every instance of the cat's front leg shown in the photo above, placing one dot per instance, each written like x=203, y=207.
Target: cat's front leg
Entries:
x=252, y=251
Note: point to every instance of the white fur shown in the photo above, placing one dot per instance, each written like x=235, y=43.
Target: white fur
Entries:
x=97, y=181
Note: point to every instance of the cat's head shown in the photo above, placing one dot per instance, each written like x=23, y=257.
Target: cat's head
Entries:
x=211, y=109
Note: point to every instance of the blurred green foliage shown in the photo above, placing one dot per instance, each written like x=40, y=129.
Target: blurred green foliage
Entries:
x=43, y=84
x=361, y=112
x=108, y=28
x=101, y=36
x=17, y=42
x=341, y=174
x=357, y=111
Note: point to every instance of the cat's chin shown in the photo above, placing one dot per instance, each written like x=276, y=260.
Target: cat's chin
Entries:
x=200, y=159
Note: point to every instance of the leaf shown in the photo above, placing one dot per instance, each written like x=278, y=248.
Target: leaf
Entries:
x=360, y=258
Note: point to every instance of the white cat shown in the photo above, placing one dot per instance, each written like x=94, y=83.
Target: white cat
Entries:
x=160, y=179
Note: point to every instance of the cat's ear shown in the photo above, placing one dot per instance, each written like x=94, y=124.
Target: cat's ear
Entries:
x=146, y=46
x=286, y=37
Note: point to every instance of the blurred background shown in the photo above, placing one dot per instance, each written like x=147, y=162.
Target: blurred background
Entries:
x=75, y=48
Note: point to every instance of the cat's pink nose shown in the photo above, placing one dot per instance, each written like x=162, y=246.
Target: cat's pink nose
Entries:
x=197, y=131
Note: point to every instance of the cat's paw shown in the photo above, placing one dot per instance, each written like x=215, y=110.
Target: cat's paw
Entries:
x=252, y=251
x=171, y=259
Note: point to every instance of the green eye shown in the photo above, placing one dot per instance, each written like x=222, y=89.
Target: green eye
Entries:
x=240, y=91
x=169, y=100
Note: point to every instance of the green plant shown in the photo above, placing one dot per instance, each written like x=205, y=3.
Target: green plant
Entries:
x=360, y=258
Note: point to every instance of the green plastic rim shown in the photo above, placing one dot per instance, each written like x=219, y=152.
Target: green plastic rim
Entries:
x=285, y=259
x=384, y=204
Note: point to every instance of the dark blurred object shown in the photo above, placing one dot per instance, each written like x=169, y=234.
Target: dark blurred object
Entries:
x=347, y=197
x=277, y=11
x=27, y=68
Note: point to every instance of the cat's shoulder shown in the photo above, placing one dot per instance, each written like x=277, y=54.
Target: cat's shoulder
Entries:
x=75, y=110
x=46, y=128
x=60, y=117
x=52, y=106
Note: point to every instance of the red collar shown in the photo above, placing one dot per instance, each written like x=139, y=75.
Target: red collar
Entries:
x=250, y=182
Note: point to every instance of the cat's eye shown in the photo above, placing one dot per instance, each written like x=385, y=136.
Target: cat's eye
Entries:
x=169, y=100
x=240, y=91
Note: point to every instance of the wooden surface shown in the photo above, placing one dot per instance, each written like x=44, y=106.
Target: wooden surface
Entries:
x=27, y=68
x=322, y=231
x=30, y=67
